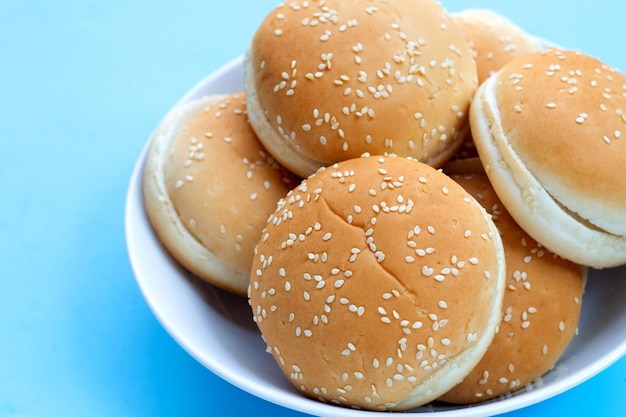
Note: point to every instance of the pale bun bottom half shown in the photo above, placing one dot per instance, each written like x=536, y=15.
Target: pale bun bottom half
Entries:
x=528, y=202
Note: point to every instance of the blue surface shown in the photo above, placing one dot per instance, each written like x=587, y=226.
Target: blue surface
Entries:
x=82, y=85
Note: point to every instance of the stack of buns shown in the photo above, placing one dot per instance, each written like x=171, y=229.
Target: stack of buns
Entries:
x=409, y=198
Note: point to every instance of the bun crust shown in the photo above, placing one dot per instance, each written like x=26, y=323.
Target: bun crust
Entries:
x=377, y=283
x=548, y=128
x=326, y=83
x=541, y=308
x=209, y=186
x=493, y=39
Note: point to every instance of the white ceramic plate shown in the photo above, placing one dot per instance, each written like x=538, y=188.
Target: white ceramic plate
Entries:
x=216, y=328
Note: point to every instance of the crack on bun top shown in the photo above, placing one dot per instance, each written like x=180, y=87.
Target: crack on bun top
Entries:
x=377, y=283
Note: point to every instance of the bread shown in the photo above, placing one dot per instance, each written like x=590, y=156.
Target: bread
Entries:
x=493, y=39
x=377, y=283
x=329, y=81
x=549, y=128
x=541, y=308
x=209, y=186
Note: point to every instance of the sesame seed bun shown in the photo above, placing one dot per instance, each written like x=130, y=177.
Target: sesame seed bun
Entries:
x=493, y=39
x=541, y=308
x=209, y=186
x=550, y=129
x=378, y=283
x=332, y=80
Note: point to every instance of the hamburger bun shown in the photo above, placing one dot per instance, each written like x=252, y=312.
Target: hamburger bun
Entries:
x=329, y=81
x=541, y=308
x=377, y=283
x=493, y=39
x=209, y=186
x=550, y=130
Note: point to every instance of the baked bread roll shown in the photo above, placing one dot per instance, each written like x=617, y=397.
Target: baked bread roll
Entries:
x=329, y=81
x=494, y=41
x=549, y=128
x=209, y=186
x=377, y=284
x=541, y=308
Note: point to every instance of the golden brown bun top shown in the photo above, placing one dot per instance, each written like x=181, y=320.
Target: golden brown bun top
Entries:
x=565, y=116
x=221, y=185
x=541, y=308
x=372, y=275
x=494, y=39
x=341, y=78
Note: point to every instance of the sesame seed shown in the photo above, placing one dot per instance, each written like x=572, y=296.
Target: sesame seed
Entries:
x=426, y=271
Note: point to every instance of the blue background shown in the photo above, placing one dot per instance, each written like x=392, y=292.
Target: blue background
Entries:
x=82, y=85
